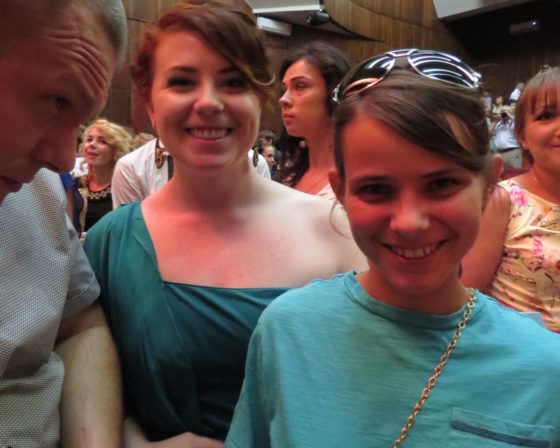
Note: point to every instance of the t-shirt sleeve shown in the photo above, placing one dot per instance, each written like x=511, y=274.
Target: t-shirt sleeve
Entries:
x=83, y=288
x=249, y=428
x=125, y=186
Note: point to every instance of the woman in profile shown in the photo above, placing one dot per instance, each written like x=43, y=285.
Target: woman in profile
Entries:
x=308, y=78
x=186, y=273
x=403, y=354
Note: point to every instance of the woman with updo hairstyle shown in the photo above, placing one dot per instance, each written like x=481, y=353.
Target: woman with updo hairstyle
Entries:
x=402, y=354
x=103, y=143
x=517, y=256
x=186, y=273
x=308, y=77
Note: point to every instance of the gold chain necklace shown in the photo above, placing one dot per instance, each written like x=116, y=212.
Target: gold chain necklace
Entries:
x=437, y=371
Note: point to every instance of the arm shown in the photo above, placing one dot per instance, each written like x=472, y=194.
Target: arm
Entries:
x=481, y=262
x=125, y=186
x=135, y=438
x=91, y=408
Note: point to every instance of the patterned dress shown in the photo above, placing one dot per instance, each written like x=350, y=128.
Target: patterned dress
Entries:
x=528, y=276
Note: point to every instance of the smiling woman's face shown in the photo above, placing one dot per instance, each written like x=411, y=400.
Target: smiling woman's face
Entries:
x=97, y=151
x=203, y=108
x=413, y=213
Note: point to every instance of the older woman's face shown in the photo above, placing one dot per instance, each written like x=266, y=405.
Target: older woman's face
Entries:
x=541, y=135
x=97, y=151
x=303, y=100
x=203, y=108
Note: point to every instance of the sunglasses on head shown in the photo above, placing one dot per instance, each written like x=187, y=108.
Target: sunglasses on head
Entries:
x=432, y=64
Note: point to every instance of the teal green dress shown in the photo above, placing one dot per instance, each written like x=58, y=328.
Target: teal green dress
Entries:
x=182, y=347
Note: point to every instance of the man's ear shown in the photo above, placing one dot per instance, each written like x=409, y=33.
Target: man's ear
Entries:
x=337, y=185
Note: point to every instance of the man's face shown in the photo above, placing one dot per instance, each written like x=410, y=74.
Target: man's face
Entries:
x=49, y=85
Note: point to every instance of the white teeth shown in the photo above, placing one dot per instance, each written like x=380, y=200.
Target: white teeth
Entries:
x=208, y=133
x=418, y=252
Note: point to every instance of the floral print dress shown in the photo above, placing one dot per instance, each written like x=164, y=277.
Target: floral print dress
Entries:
x=528, y=276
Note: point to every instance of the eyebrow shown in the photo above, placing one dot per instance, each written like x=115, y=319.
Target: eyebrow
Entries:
x=383, y=178
x=297, y=78
x=188, y=69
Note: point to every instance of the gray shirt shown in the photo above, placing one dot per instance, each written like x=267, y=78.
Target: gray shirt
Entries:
x=44, y=277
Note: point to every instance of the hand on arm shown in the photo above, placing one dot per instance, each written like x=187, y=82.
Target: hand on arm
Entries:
x=135, y=438
x=91, y=406
x=481, y=262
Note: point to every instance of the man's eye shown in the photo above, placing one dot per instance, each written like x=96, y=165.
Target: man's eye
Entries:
x=61, y=103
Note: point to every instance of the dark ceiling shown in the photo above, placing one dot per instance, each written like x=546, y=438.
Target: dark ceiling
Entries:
x=487, y=33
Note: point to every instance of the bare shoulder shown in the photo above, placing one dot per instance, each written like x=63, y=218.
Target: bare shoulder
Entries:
x=324, y=226
x=315, y=211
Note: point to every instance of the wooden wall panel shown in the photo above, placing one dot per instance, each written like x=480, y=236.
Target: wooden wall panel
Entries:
x=482, y=41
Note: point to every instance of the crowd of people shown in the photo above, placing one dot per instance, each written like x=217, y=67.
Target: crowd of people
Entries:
x=385, y=273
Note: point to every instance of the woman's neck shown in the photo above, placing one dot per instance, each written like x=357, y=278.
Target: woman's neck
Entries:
x=546, y=183
x=213, y=191
x=320, y=149
x=447, y=298
x=100, y=177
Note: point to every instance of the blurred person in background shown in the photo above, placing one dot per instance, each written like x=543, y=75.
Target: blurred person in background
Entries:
x=516, y=258
x=103, y=144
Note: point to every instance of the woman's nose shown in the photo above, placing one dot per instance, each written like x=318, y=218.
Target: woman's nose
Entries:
x=286, y=99
x=410, y=217
x=208, y=100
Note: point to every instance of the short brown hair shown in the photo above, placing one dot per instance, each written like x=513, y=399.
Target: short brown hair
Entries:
x=423, y=111
x=544, y=86
x=227, y=29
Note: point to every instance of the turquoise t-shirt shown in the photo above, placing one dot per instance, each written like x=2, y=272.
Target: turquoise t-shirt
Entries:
x=329, y=366
x=182, y=347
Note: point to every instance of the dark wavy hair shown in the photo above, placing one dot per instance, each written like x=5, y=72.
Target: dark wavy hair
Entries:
x=332, y=63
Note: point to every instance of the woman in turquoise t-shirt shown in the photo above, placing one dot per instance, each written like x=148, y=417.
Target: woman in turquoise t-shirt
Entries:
x=186, y=273
x=402, y=354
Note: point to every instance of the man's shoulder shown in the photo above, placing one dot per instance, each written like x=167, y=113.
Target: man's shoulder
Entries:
x=42, y=192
